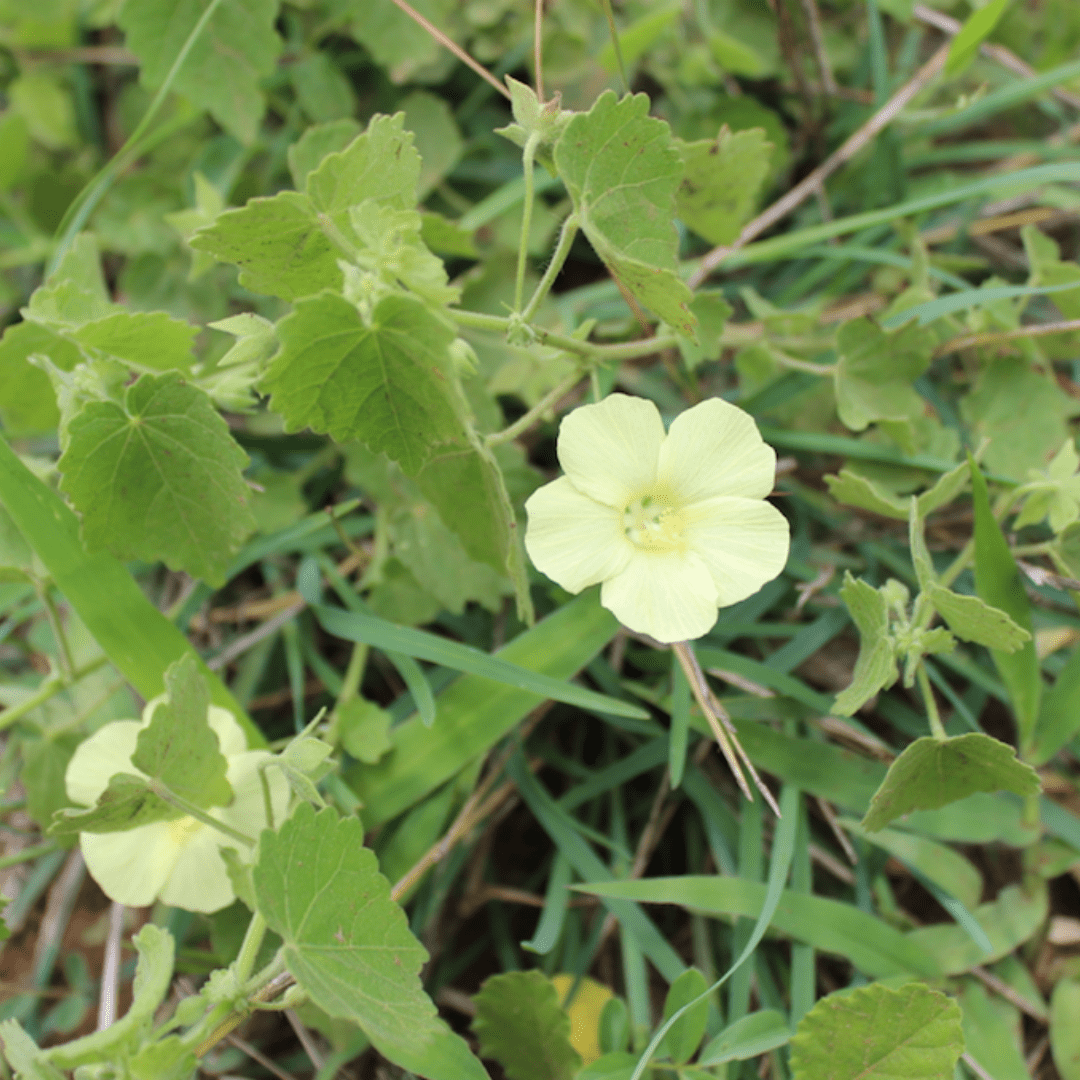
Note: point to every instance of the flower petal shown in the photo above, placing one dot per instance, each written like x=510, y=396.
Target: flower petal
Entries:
x=744, y=543
x=716, y=449
x=247, y=811
x=131, y=867
x=231, y=737
x=199, y=880
x=573, y=539
x=610, y=450
x=670, y=597
x=97, y=759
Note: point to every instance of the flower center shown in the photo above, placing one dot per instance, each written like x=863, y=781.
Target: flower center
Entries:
x=181, y=829
x=653, y=524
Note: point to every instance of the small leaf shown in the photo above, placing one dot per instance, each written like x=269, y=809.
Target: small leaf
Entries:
x=721, y=181
x=24, y=1055
x=852, y=489
x=976, y=29
x=158, y=478
x=755, y=1034
x=75, y=292
x=348, y=945
x=622, y=170
x=28, y=404
x=1064, y=1030
x=226, y=63
x=875, y=1033
x=974, y=620
x=364, y=730
x=178, y=746
x=875, y=372
x=141, y=339
x=521, y=1025
x=932, y=772
x=998, y=582
x=306, y=154
x=684, y=1037
x=876, y=667
x=712, y=312
x=125, y=804
x=947, y=487
x=385, y=383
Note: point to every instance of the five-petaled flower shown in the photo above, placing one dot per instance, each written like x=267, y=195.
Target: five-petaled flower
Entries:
x=177, y=861
x=673, y=525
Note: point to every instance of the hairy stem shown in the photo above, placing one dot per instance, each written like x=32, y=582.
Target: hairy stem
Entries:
x=189, y=808
x=528, y=159
x=48, y=689
x=249, y=948
x=554, y=267
x=523, y=423
x=937, y=729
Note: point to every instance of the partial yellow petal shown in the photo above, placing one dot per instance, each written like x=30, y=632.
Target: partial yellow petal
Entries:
x=98, y=758
x=573, y=539
x=744, y=543
x=670, y=597
x=247, y=811
x=131, y=867
x=199, y=880
x=231, y=737
x=716, y=449
x=610, y=450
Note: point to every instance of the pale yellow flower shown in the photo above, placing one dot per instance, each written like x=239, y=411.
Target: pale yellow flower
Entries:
x=178, y=861
x=673, y=525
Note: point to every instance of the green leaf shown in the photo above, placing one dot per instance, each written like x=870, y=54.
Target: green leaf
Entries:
x=125, y=804
x=306, y=154
x=932, y=772
x=438, y=140
x=876, y=667
x=159, y=478
x=749, y=1037
x=712, y=312
x=139, y=641
x=383, y=383
x=1018, y=913
x=974, y=620
x=28, y=404
x=277, y=244
x=322, y=89
x=622, y=170
x=1059, y=715
x=685, y=1035
x=998, y=582
x=141, y=339
x=875, y=1033
x=75, y=293
x=348, y=945
x=721, y=181
x=221, y=73
x=976, y=29
x=1064, y=1030
x=364, y=730
x=521, y=1025
x=875, y=372
x=179, y=747
x=832, y=926
x=853, y=489
x=45, y=762
x=153, y=976
x=24, y=1055
x=618, y=1065
x=992, y=1029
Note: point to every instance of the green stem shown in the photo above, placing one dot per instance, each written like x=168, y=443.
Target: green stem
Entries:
x=937, y=729
x=554, y=267
x=189, y=808
x=83, y=206
x=354, y=675
x=48, y=689
x=249, y=949
x=523, y=423
x=528, y=159
x=826, y=370
x=627, y=350
x=610, y=15
x=67, y=668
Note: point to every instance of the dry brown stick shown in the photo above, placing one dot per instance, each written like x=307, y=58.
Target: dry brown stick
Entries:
x=87, y=54
x=453, y=46
x=304, y=1038
x=538, y=50
x=259, y=1057
x=806, y=187
x=1009, y=994
x=110, y=968
x=817, y=39
x=1005, y=57
x=831, y=820
x=992, y=338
